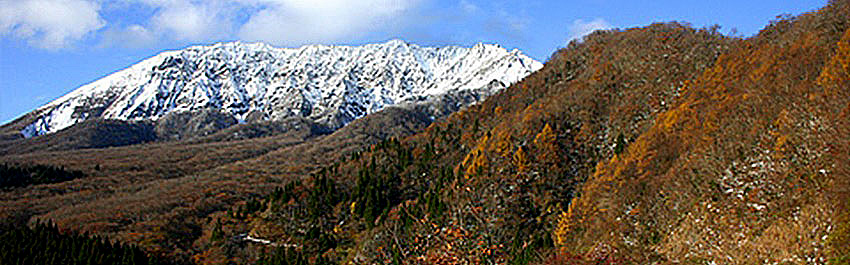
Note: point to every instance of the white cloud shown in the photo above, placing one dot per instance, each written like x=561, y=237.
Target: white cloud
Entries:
x=49, y=24
x=192, y=20
x=581, y=28
x=55, y=24
x=134, y=36
x=296, y=22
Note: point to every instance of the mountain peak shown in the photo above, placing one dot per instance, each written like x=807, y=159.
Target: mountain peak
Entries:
x=396, y=42
x=332, y=85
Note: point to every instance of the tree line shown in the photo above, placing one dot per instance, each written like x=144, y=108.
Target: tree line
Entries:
x=45, y=244
x=15, y=176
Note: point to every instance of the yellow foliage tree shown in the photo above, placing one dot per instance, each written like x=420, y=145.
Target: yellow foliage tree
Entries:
x=503, y=143
x=837, y=70
x=476, y=160
x=479, y=163
x=545, y=144
x=545, y=137
x=562, y=230
x=567, y=221
x=520, y=160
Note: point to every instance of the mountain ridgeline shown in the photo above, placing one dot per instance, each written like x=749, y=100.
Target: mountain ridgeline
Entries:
x=662, y=144
x=248, y=82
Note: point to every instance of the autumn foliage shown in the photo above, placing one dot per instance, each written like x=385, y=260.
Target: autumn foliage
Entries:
x=750, y=146
x=654, y=145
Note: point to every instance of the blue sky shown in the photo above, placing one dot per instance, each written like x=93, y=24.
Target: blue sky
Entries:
x=50, y=47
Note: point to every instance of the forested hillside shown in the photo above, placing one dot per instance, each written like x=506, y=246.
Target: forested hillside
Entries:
x=168, y=198
x=750, y=164
x=658, y=144
x=490, y=183
x=662, y=144
x=46, y=244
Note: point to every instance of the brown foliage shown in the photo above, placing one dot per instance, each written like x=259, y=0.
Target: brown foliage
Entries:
x=745, y=148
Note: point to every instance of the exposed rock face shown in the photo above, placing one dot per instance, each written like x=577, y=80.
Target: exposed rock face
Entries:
x=183, y=125
x=329, y=85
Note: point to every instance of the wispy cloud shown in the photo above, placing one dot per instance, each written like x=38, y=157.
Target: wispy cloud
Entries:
x=133, y=36
x=581, y=28
x=192, y=20
x=50, y=24
x=57, y=24
x=293, y=22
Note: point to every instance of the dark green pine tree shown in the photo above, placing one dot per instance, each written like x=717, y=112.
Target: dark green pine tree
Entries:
x=44, y=244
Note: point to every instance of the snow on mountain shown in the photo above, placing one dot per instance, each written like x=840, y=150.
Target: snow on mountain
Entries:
x=332, y=85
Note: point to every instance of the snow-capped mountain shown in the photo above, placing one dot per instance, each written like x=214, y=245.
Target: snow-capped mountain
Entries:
x=331, y=85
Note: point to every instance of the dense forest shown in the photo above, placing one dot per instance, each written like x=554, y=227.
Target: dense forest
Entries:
x=657, y=144
x=44, y=243
x=12, y=176
x=663, y=144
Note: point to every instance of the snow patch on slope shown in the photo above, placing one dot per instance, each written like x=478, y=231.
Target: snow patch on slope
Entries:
x=332, y=85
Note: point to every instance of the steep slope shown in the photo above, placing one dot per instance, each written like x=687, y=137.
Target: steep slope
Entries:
x=488, y=183
x=748, y=166
x=655, y=145
x=209, y=125
x=331, y=85
x=93, y=133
